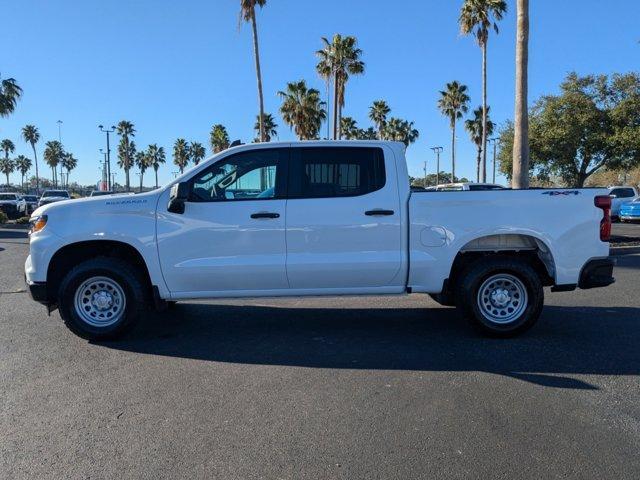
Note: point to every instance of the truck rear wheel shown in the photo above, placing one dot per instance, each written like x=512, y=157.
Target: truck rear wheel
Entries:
x=501, y=296
x=101, y=298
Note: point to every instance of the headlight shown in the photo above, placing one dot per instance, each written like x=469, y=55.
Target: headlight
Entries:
x=37, y=223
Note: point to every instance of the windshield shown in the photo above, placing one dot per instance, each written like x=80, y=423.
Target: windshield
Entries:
x=56, y=193
x=8, y=196
x=30, y=198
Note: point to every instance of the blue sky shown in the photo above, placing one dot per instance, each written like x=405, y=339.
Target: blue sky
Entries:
x=176, y=68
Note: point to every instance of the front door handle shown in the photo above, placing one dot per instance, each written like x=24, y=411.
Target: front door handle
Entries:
x=265, y=215
x=379, y=212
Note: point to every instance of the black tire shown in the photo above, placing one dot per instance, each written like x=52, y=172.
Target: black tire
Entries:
x=115, y=270
x=502, y=270
x=446, y=300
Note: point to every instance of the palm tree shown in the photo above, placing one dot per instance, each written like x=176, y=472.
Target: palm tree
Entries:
x=378, y=114
x=453, y=104
x=126, y=148
x=6, y=167
x=10, y=92
x=218, y=138
x=269, y=125
x=196, y=152
x=369, y=134
x=339, y=58
x=401, y=131
x=302, y=109
x=31, y=135
x=520, y=172
x=478, y=16
x=156, y=157
x=248, y=14
x=53, y=152
x=142, y=162
x=7, y=147
x=69, y=162
x=474, y=127
x=23, y=165
x=349, y=128
x=181, y=154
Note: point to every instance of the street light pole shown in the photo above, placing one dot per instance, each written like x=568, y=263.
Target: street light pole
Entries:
x=424, y=183
x=494, y=140
x=108, y=131
x=437, y=150
x=59, y=122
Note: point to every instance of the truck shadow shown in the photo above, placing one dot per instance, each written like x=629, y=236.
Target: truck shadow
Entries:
x=567, y=340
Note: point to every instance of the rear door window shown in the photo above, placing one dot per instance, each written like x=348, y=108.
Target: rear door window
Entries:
x=321, y=172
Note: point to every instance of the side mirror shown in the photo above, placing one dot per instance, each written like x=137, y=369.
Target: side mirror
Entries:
x=179, y=194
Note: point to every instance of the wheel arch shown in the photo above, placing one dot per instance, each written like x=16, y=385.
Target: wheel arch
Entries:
x=72, y=254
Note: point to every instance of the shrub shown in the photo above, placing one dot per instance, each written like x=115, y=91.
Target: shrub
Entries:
x=3, y=217
x=22, y=220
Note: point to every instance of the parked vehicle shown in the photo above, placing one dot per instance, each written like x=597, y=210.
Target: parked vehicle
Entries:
x=27, y=204
x=52, y=196
x=620, y=195
x=465, y=186
x=630, y=211
x=315, y=218
x=9, y=204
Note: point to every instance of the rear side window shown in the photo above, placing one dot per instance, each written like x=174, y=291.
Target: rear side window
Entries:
x=320, y=172
x=623, y=192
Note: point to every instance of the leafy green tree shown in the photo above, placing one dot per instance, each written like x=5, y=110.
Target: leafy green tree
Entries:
x=399, y=130
x=181, y=154
x=69, y=162
x=23, y=165
x=31, y=136
x=10, y=92
x=155, y=157
x=53, y=152
x=269, y=125
x=248, y=14
x=453, y=103
x=339, y=59
x=196, y=152
x=474, y=127
x=302, y=109
x=593, y=123
x=378, y=114
x=478, y=17
x=218, y=138
x=126, y=148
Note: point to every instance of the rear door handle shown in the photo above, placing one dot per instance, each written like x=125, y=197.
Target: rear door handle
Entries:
x=379, y=211
x=265, y=215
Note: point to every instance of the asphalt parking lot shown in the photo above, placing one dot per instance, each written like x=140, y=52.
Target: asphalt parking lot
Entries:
x=349, y=388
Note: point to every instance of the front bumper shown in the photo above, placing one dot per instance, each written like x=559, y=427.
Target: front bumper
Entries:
x=597, y=273
x=38, y=292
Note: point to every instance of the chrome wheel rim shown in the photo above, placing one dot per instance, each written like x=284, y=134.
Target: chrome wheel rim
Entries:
x=100, y=301
x=502, y=298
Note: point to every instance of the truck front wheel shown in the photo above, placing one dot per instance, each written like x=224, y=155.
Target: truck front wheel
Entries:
x=501, y=296
x=101, y=299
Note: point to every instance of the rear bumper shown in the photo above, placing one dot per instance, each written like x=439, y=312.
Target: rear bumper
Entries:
x=597, y=273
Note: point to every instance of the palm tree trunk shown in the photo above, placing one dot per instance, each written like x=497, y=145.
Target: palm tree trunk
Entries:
x=483, y=177
x=7, y=174
x=156, y=170
x=520, y=172
x=335, y=107
x=141, y=175
x=453, y=152
x=256, y=54
x=328, y=106
x=126, y=176
x=478, y=160
x=35, y=158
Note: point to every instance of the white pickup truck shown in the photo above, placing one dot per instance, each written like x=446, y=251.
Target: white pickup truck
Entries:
x=315, y=218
